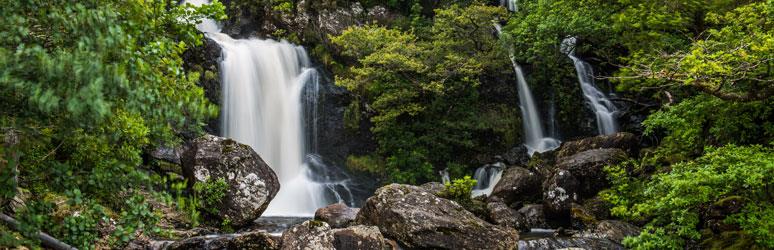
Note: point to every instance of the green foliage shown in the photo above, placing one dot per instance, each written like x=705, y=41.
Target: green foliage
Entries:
x=423, y=90
x=90, y=85
x=673, y=201
x=459, y=189
x=210, y=193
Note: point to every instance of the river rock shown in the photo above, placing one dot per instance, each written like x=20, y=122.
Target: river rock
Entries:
x=621, y=140
x=612, y=230
x=502, y=215
x=418, y=219
x=517, y=184
x=534, y=217
x=518, y=156
x=587, y=168
x=359, y=237
x=569, y=243
x=251, y=182
x=558, y=196
x=249, y=240
x=336, y=215
x=310, y=234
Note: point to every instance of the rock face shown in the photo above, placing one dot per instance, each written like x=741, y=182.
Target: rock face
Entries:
x=559, y=194
x=419, y=219
x=336, y=215
x=517, y=184
x=319, y=235
x=433, y=187
x=251, y=183
x=587, y=168
x=622, y=140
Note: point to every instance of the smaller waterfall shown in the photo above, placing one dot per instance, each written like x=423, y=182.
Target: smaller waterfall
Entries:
x=512, y=5
x=444, y=176
x=603, y=108
x=486, y=178
x=535, y=138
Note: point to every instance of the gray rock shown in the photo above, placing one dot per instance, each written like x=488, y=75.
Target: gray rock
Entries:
x=251, y=183
x=534, y=217
x=587, y=168
x=621, y=140
x=418, y=219
x=569, y=243
x=517, y=156
x=612, y=230
x=359, y=238
x=336, y=215
x=517, y=184
x=168, y=154
x=249, y=240
x=501, y=214
x=319, y=235
x=558, y=196
x=433, y=187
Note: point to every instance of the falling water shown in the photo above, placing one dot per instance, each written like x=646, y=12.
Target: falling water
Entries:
x=603, y=107
x=444, y=176
x=512, y=5
x=269, y=88
x=535, y=140
x=486, y=178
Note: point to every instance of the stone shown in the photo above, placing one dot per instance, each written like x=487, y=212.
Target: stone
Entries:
x=558, y=196
x=359, y=238
x=621, y=140
x=569, y=243
x=612, y=230
x=517, y=184
x=434, y=187
x=308, y=235
x=256, y=240
x=587, y=168
x=534, y=216
x=418, y=219
x=251, y=182
x=501, y=214
x=518, y=156
x=336, y=215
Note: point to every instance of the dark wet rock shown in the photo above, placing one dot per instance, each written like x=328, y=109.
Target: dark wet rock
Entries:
x=597, y=207
x=581, y=217
x=308, y=235
x=558, y=196
x=587, y=168
x=205, y=60
x=433, y=187
x=714, y=214
x=359, y=238
x=621, y=140
x=534, y=216
x=248, y=240
x=517, y=184
x=418, y=219
x=336, y=215
x=569, y=243
x=168, y=154
x=612, y=230
x=501, y=214
x=517, y=156
x=253, y=240
x=251, y=183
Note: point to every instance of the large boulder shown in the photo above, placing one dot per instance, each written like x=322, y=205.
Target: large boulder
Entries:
x=418, y=219
x=621, y=140
x=251, y=183
x=434, y=187
x=517, y=184
x=319, y=235
x=337, y=215
x=587, y=168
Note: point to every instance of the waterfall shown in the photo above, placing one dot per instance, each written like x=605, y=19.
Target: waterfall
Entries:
x=444, y=176
x=603, y=107
x=535, y=138
x=486, y=178
x=269, y=89
x=512, y=5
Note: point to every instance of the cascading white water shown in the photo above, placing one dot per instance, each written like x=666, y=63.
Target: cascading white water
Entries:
x=512, y=5
x=444, y=176
x=263, y=84
x=535, y=138
x=486, y=178
x=603, y=108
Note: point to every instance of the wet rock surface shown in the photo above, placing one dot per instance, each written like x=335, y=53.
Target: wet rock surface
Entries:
x=501, y=214
x=569, y=243
x=251, y=182
x=587, y=168
x=418, y=219
x=612, y=230
x=621, y=140
x=336, y=215
x=319, y=235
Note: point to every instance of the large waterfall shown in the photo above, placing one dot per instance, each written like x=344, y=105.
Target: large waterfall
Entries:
x=603, y=108
x=269, y=88
x=535, y=138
